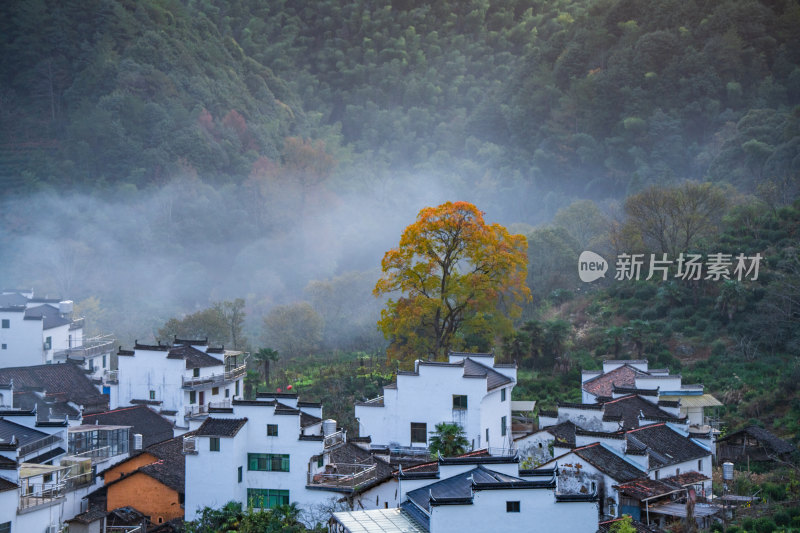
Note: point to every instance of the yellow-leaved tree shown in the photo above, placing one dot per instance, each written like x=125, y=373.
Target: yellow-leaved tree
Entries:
x=454, y=283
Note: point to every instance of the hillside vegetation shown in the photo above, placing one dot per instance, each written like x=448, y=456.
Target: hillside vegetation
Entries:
x=571, y=97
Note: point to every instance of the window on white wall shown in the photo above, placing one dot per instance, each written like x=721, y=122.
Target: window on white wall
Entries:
x=512, y=507
x=459, y=401
x=502, y=395
x=4, y=346
x=699, y=465
x=503, y=426
x=419, y=432
x=6, y=323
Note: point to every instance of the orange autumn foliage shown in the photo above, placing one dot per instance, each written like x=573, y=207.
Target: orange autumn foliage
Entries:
x=457, y=277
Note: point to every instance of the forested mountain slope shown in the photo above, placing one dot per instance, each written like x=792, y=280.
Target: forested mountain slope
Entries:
x=578, y=97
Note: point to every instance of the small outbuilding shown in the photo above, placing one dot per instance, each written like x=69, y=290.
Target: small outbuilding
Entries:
x=752, y=443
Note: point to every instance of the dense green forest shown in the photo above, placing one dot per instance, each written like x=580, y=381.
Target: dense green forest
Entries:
x=163, y=158
x=575, y=97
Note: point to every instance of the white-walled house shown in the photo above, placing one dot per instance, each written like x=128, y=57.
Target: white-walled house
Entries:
x=36, y=331
x=51, y=464
x=470, y=390
x=476, y=494
x=261, y=452
x=597, y=468
x=635, y=377
x=181, y=380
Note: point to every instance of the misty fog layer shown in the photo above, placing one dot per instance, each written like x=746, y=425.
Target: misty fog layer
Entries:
x=146, y=256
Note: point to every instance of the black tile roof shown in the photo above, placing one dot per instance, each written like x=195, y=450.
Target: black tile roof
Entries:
x=12, y=300
x=193, y=342
x=7, y=485
x=169, y=468
x=609, y=463
x=458, y=488
x=633, y=390
x=564, y=433
x=305, y=418
x=7, y=464
x=665, y=445
x=62, y=383
x=631, y=407
x=23, y=434
x=30, y=400
x=50, y=316
x=87, y=517
x=494, y=379
x=220, y=427
x=150, y=425
x=584, y=406
x=194, y=358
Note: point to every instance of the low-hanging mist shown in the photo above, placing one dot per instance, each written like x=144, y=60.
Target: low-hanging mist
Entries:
x=131, y=259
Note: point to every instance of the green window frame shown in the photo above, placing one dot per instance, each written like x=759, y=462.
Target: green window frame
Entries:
x=502, y=395
x=239, y=474
x=503, y=426
x=267, y=498
x=268, y=462
x=213, y=444
x=192, y=397
x=272, y=430
x=152, y=395
x=195, y=372
x=460, y=401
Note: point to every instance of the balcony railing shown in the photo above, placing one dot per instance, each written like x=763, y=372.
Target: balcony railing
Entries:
x=195, y=410
x=37, y=494
x=189, y=444
x=333, y=439
x=343, y=475
x=202, y=381
x=55, y=438
x=89, y=349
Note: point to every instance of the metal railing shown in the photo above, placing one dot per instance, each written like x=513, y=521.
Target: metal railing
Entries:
x=37, y=494
x=229, y=375
x=195, y=410
x=86, y=350
x=345, y=475
x=333, y=439
x=55, y=438
x=373, y=401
